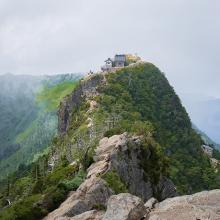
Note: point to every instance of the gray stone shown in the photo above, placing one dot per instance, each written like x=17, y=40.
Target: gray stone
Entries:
x=92, y=193
x=87, y=88
x=125, y=154
x=122, y=154
x=200, y=206
x=90, y=215
x=150, y=204
x=124, y=206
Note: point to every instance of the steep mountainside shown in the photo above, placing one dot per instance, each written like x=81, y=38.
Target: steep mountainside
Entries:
x=17, y=108
x=120, y=132
x=28, y=121
x=133, y=98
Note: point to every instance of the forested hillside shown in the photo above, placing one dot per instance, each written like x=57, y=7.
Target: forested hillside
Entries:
x=28, y=116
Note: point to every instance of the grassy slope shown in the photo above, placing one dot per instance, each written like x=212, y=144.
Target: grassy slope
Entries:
x=51, y=97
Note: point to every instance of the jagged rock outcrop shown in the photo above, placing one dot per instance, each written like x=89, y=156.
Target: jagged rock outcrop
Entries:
x=92, y=193
x=121, y=154
x=124, y=206
x=200, y=206
x=124, y=155
x=87, y=88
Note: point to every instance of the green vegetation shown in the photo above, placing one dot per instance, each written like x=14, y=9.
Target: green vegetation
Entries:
x=74, y=183
x=114, y=182
x=33, y=189
x=156, y=164
x=51, y=97
x=142, y=94
x=32, y=141
x=40, y=191
x=216, y=154
x=26, y=209
x=17, y=111
x=140, y=100
x=29, y=119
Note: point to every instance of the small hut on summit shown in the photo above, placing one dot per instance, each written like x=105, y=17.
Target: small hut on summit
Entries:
x=119, y=61
x=108, y=64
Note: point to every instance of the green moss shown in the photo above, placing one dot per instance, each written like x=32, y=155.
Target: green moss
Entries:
x=114, y=182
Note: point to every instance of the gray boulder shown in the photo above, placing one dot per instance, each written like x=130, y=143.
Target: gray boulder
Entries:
x=124, y=206
x=93, y=192
x=200, y=206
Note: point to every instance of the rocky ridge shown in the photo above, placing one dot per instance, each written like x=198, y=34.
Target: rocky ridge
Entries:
x=87, y=88
x=96, y=200
x=120, y=154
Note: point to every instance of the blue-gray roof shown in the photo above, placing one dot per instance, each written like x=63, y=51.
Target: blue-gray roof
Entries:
x=120, y=57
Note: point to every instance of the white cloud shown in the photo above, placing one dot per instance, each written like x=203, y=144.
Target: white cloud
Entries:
x=52, y=36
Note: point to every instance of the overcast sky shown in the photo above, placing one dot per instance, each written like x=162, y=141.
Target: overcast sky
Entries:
x=182, y=37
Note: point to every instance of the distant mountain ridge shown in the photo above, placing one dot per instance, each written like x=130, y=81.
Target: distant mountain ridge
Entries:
x=21, y=116
x=205, y=113
x=206, y=138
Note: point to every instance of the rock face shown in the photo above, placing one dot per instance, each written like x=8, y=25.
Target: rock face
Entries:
x=124, y=206
x=125, y=155
x=92, y=193
x=119, y=153
x=86, y=88
x=200, y=206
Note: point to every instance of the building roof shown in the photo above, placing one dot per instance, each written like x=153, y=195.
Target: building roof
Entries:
x=108, y=60
x=120, y=57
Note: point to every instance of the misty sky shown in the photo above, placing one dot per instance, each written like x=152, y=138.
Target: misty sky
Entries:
x=182, y=37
